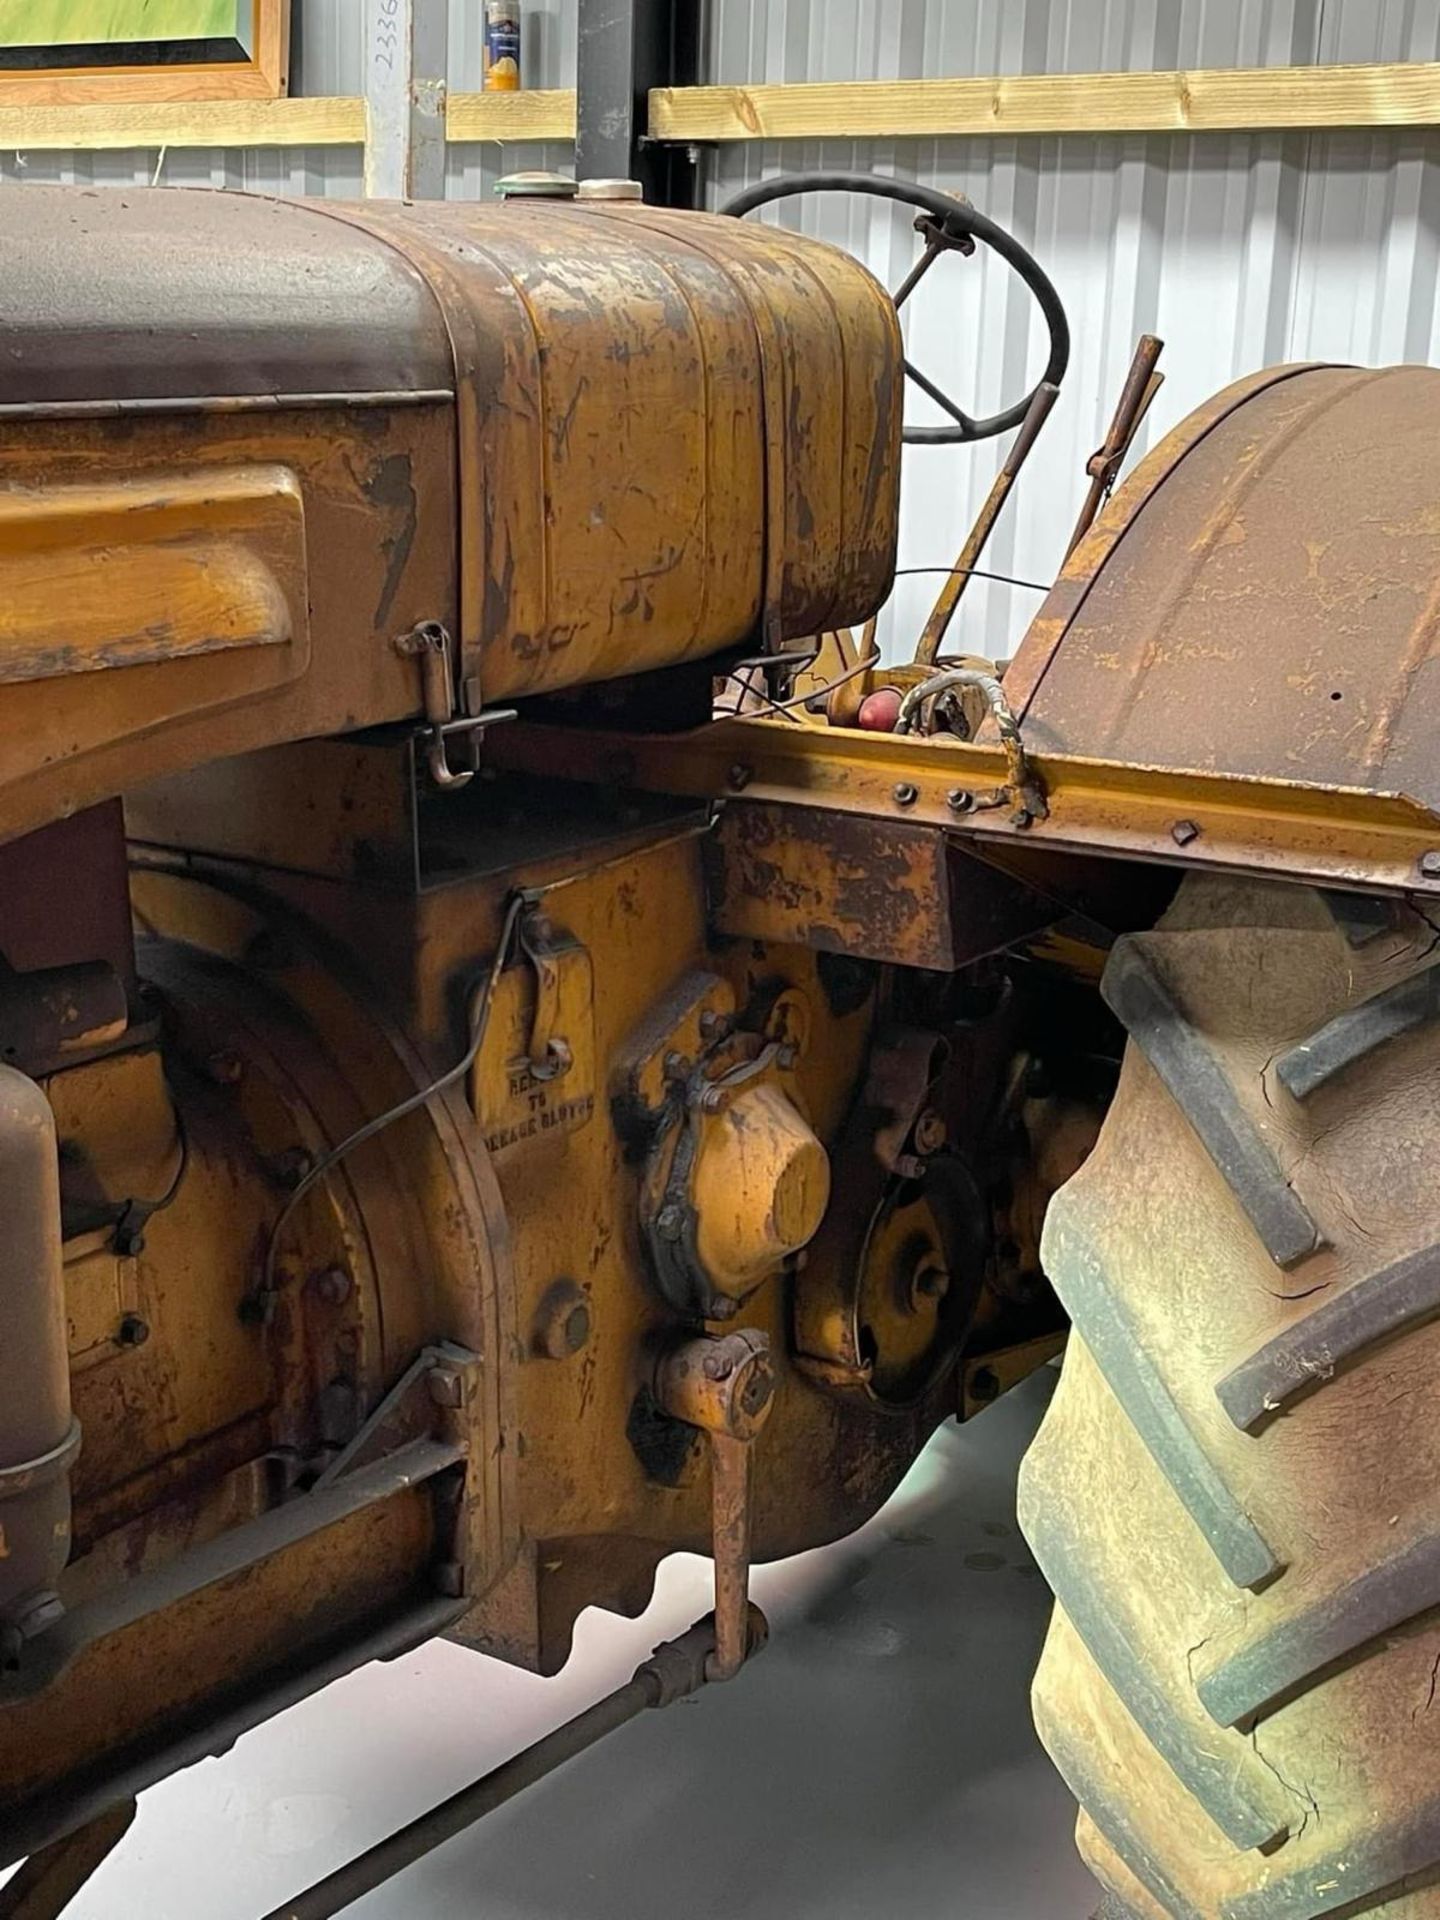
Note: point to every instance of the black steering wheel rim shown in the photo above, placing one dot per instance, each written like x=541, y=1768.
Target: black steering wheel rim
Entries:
x=959, y=219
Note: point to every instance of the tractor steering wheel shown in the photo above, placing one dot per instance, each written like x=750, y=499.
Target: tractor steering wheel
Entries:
x=948, y=225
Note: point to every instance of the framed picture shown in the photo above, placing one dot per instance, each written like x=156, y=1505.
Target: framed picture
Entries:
x=85, y=52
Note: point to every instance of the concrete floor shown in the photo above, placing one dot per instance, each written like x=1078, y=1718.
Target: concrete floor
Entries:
x=878, y=1761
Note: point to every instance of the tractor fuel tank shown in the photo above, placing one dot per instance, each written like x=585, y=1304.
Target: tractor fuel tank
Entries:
x=666, y=435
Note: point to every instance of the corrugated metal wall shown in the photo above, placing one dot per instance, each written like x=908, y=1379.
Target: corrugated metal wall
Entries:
x=1239, y=250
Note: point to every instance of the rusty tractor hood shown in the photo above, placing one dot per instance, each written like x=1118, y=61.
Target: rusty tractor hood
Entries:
x=251, y=447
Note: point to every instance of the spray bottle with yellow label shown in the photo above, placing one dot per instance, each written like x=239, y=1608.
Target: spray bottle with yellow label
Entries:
x=502, y=45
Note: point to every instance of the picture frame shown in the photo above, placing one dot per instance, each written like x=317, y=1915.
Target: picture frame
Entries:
x=134, y=52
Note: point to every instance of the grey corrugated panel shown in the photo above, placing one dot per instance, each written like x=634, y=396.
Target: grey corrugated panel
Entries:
x=328, y=59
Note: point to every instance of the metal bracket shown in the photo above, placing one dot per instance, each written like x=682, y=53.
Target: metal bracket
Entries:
x=400, y=1446
x=437, y=1376
x=430, y=643
x=550, y=1055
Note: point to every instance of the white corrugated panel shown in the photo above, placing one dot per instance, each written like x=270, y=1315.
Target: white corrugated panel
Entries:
x=1239, y=250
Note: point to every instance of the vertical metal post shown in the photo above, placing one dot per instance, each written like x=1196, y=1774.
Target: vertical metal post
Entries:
x=626, y=47
x=405, y=49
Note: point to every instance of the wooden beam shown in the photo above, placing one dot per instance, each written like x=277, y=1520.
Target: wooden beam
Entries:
x=539, y=114
x=1202, y=101
x=533, y=113
x=318, y=122
x=1208, y=100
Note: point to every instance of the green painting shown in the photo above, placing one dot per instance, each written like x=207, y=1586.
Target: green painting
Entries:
x=41, y=34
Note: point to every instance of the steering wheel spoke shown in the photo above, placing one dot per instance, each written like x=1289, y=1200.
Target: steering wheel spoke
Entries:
x=948, y=224
x=942, y=400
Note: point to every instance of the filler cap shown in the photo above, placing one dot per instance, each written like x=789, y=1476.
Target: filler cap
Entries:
x=610, y=190
x=536, y=186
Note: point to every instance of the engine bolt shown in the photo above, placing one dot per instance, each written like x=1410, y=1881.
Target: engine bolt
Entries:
x=1183, y=832
x=332, y=1286
x=959, y=800
x=739, y=776
x=289, y=1167
x=132, y=1331
x=447, y=1387
x=1430, y=865
x=929, y=1132
x=562, y=1323
x=712, y=1100
x=668, y=1223
x=905, y=794
x=224, y=1068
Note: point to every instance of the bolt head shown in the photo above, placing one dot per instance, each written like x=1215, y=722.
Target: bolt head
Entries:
x=905, y=795
x=447, y=1387
x=1430, y=865
x=1183, y=832
x=960, y=800
x=132, y=1331
x=332, y=1286
x=712, y=1100
x=290, y=1167
x=668, y=1223
x=928, y=1286
x=739, y=776
x=562, y=1323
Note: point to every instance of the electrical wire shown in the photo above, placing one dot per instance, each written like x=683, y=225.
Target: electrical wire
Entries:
x=479, y=1021
x=980, y=573
x=818, y=694
x=815, y=695
x=750, y=691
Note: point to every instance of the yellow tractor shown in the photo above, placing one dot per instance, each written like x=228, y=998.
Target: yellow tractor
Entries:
x=526, y=1048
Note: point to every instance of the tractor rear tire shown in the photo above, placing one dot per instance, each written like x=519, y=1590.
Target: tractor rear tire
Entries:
x=1236, y=1491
